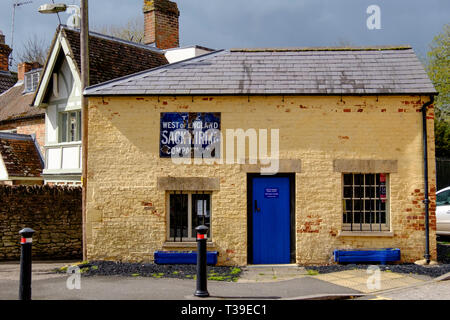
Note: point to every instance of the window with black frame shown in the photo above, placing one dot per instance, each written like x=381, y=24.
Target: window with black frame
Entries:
x=187, y=210
x=365, y=202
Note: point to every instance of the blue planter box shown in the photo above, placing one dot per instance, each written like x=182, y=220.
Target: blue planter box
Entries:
x=368, y=255
x=180, y=257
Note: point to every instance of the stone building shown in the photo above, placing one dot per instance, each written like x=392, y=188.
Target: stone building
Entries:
x=340, y=128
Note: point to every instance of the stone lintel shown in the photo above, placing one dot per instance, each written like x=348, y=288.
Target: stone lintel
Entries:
x=188, y=184
x=365, y=166
x=285, y=166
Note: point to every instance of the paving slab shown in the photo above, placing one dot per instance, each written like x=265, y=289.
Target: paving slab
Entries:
x=364, y=281
x=271, y=273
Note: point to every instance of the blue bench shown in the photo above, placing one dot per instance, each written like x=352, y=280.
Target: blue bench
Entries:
x=183, y=257
x=366, y=255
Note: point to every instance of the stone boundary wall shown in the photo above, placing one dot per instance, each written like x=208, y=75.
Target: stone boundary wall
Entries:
x=54, y=212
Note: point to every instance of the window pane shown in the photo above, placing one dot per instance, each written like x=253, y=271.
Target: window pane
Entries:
x=348, y=205
x=73, y=126
x=370, y=179
x=359, y=179
x=370, y=192
x=359, y=192
x=201, y=212
x=178, y=216
x=348, y=179
x=348, y=192
x=63, y=127
x=357, y=205
x=443, y=198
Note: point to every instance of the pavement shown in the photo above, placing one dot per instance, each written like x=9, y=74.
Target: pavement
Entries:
x=288, y=282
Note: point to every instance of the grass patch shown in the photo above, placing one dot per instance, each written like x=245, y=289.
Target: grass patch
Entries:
x=157, y=275
x=235, y=270
x=135, y=275
x=84, y=270
x=311, y=272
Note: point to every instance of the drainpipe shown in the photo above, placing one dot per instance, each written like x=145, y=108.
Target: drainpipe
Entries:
x=426, y=201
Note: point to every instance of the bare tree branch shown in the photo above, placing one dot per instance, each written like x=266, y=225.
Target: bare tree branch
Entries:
x=133, y=30
x=34, y=49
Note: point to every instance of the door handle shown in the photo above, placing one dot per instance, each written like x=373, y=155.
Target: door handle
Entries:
x=256, y=206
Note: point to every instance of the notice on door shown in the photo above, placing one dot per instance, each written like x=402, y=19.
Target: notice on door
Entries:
x=271, y=193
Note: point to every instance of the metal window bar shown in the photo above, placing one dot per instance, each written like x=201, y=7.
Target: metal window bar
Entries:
x=379, y=205
x=361, y=204
x=353, y=202
x=370, y=206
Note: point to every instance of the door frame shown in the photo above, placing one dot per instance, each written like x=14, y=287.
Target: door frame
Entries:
x=250, y=177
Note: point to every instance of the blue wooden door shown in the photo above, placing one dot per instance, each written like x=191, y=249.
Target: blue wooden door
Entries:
x=271, y=220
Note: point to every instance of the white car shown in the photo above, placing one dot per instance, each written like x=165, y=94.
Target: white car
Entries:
x=443, y=212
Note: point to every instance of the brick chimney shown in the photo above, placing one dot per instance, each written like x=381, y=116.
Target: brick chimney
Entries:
x=23, y=68
x=161, y=23
x=5, y=51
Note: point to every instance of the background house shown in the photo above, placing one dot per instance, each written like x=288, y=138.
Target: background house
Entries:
x=21, y=162
x=59, y=90
x=16, y=114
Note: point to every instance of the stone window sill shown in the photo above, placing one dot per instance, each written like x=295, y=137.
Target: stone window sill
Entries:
x=386, y=234
x=183, y=245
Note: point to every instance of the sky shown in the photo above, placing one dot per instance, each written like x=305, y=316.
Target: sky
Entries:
x=223, y=24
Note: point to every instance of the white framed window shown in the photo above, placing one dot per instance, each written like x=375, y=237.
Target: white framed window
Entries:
x=69, y=126
x=365, y=200
x=31, y=80
x=186, y=211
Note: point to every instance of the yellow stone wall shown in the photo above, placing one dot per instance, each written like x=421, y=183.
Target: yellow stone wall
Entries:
x=126, y=213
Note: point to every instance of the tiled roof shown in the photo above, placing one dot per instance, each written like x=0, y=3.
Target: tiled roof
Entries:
x=7, y=80
x=14, y=104
x=112, y=58
x=302, y=71
x=20, y=155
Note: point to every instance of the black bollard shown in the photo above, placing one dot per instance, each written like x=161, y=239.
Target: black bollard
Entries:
x=25, y=263
x=202, y=290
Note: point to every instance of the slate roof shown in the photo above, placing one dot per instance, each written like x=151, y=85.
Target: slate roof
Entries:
x=20, y=155
x=14, y=104
x=296, y=71
x=111, y=58
x=7, y=80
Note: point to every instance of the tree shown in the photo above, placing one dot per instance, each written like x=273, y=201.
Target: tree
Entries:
x=34, y=49
x=438, y=68
x=133, y=30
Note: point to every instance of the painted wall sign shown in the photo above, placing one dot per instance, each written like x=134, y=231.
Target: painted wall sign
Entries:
x=188, y=133
x=271, y=193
